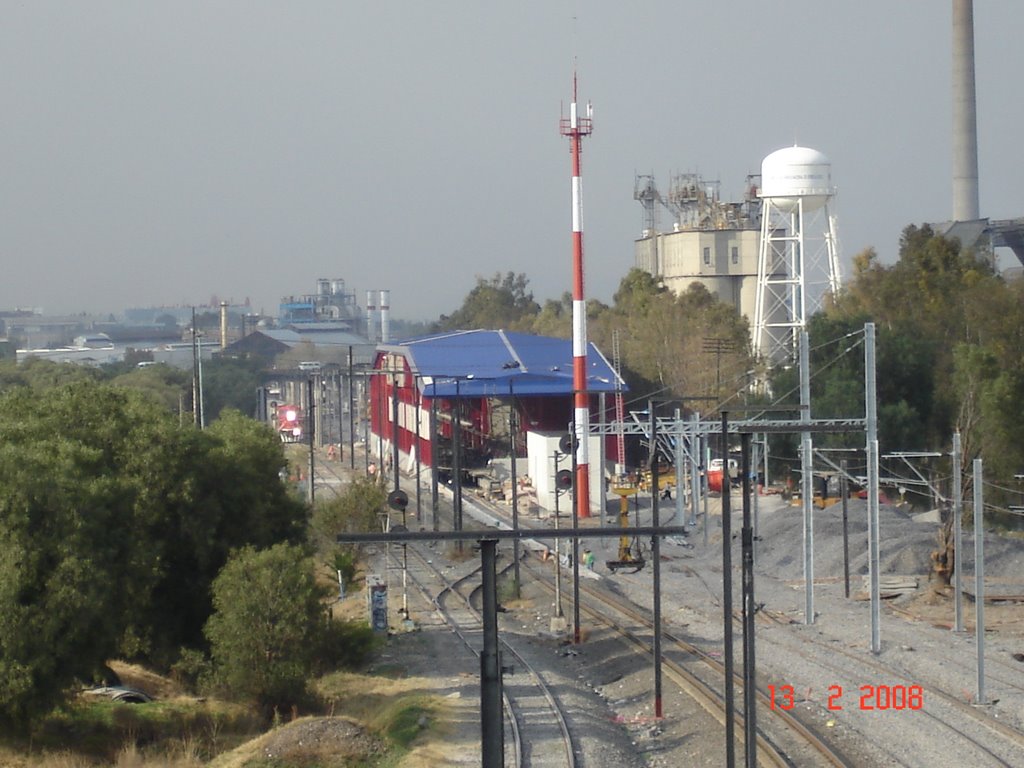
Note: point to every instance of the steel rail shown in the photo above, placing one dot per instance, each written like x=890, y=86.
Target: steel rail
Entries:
x=512, y=710
x=710, y=699
x=1008, y=732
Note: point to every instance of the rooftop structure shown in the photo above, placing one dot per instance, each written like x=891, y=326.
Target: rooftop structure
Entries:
x=709, y=242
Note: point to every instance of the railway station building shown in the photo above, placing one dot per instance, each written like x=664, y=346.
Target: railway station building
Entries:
x=500, y=396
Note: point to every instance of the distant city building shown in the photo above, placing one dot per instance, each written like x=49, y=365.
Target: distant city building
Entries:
x=36, y=330
x=331, y=303
x=179, y=315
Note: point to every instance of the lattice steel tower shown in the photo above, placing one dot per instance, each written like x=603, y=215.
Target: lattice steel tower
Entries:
x=798, y=260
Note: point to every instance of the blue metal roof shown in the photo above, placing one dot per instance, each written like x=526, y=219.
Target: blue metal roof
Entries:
x=494, y=363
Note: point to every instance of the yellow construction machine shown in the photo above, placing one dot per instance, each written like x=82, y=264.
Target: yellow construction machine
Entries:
x=629, y=550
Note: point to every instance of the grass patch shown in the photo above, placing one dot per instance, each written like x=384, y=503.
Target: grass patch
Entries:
x=110, y=733
x=407, y=720
x=398, y=710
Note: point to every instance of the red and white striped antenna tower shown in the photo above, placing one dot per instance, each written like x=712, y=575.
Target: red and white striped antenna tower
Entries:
x=576, y=127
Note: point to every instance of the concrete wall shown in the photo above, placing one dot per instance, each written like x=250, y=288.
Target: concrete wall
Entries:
x=723, y=260
x=540, y=450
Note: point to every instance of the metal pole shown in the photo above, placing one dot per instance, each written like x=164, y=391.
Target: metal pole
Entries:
x=310, y=429
x=336, y=379
x=846, y=534
x=202, y=402
x=512, y=425
x=492, y=726
x=457, y=463
x=351, y=412
x=979, y=580
x=749, y=608
x=321, y=422
x=958, y=520
x=705, y=487
x=405, y=569
x=433, y=461
x=416, y=447
x=680, y=496
x=754, y=451
x=764, y=479
x=873, y=546
x=395, y=455
x=558, y=556
x=602, y=457
x=366, y=429
x=730, y=705
x=656, y=556
x=575, y=551
x=695, y=447
x=378, y=381
x=807, y=478
x=195, y=371
x=871, y=413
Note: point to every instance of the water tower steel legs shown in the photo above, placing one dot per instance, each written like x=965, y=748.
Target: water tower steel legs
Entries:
x=795, y=269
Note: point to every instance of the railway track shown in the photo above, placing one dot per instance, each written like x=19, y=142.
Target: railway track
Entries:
x=537, y=729
x=785, y=742
x=531, y=704
x=989, y=741
x=783, y=739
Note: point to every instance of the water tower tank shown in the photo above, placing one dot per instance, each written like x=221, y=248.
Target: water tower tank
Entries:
x=796, y=173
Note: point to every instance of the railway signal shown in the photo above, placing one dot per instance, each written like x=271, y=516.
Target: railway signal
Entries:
x=398, y=500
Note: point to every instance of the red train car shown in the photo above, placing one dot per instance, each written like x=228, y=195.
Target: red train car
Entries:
x=290, y=423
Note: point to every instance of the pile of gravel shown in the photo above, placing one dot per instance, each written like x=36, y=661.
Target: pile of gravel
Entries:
x=905, y=545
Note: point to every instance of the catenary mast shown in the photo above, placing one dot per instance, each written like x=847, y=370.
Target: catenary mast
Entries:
x=576, y=128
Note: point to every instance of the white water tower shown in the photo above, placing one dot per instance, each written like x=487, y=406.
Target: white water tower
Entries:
x=798, y=262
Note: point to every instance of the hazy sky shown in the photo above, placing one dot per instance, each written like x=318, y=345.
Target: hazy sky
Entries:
x=164, y=152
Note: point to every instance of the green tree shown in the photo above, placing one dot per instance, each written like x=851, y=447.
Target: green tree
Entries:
x=114, y=522
x=664, y=340
x=171, y=387
x=266, y=627
x=230, y=383
x=356, y=510
x=209, y=493
x=39, y=374
x=555, y=318
x=503, y=302
x=57, y=586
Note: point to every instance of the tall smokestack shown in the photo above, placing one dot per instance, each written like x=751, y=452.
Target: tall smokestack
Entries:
x=371, y=307
x=223, y=324
x=385, y=316
x=965, y=115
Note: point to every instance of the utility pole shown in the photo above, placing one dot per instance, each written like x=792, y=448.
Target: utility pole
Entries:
x=730, y=705
x=310, y=429
x=656, y=557
x=456, y=411
x=716, y=346
x=749, y=608
x=512, y=428
x=492, y=735
x=351, y=412
x=195, y=372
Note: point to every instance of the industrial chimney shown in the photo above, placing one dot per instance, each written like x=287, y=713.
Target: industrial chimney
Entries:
x=223, y=325
x=385, y=316
x=371, y=307
x=965, y=115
